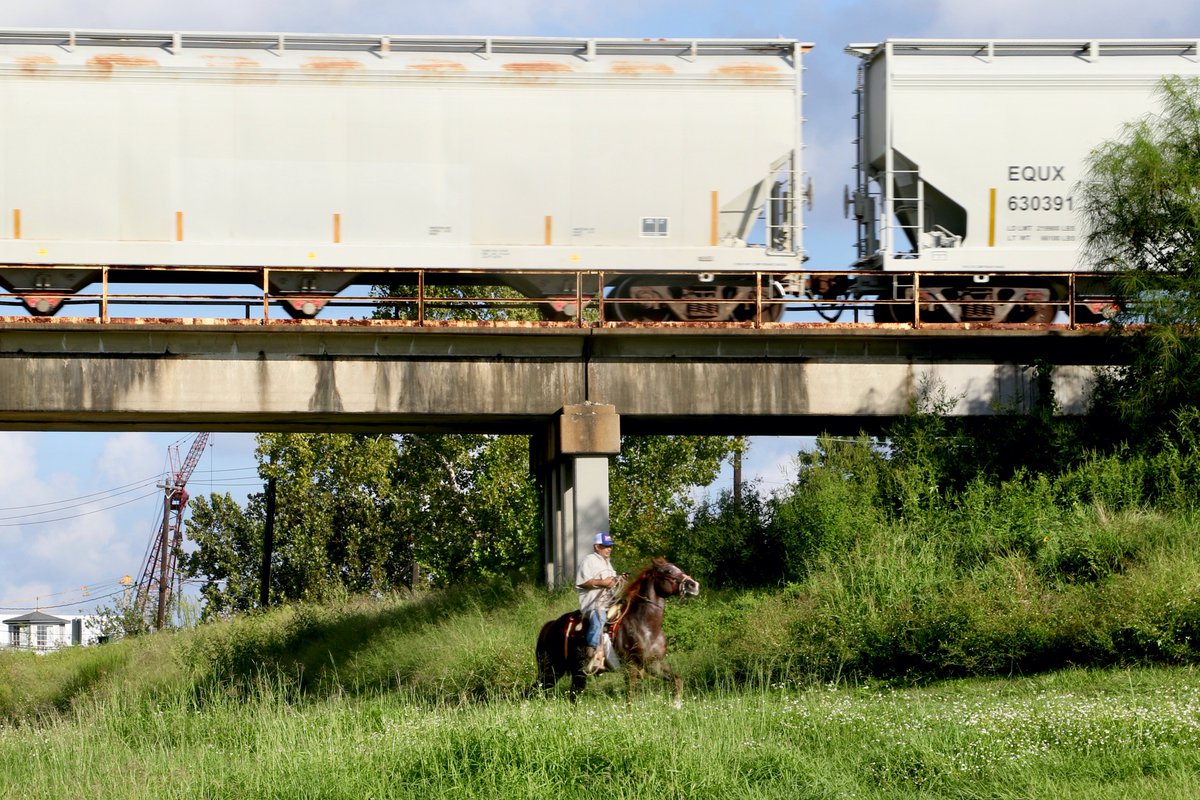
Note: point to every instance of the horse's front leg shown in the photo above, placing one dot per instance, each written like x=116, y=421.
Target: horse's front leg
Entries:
x=632, y=675
x=662, y=669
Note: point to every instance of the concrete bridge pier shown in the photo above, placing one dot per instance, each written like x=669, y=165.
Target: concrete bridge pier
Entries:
x=570, y=462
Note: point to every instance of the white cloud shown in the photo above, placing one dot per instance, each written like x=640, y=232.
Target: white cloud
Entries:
x=87, y=542
x=17, y=461
x=128, y=457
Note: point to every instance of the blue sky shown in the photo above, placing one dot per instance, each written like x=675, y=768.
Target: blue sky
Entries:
x=96, y=536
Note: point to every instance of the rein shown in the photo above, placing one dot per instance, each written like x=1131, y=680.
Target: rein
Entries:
x=678, y=580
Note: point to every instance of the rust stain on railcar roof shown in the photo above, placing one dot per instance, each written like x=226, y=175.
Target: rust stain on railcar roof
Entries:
x=33, y=65
x=332, y=64
x=641, y=68
x=233, y=62
x=106, y=63
x=538, y=66
x=438, y=65
x=747, y=70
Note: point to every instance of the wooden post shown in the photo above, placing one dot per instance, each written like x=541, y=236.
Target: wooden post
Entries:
x=264, y=573
x=164, y=543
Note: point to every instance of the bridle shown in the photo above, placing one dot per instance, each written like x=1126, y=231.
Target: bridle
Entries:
x=677, y=579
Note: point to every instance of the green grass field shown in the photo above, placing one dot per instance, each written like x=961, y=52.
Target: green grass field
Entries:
x=1075, y=734
x=425, y=698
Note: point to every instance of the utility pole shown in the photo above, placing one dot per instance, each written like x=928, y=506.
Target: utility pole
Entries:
x=737, y=479
x=163, y=576
x=264, y=573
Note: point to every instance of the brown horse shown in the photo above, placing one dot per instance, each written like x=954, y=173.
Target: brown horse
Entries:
x=637, y=634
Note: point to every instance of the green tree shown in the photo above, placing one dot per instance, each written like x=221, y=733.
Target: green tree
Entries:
x=1141, y=202
x=227, y=554
x=651, y=487
x=365, y=514
x=466, y=505
x=482, y=302
x=732, y=542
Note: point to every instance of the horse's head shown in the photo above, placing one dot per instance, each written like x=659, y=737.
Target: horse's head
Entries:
x=670, y=580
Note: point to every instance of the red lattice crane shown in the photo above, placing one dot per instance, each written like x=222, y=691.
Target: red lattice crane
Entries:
x=159, y=576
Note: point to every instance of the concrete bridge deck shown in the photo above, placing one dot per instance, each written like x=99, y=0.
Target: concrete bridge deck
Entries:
x=305, y=376
x=575, y=390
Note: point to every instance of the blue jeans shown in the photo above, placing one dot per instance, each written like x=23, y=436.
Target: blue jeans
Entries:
x=595, y=625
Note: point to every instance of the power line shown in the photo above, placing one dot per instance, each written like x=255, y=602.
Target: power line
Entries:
x=75, y=516
x=118, y=490
x=25, y=601
x=237, y=480
x=72, y=603
x=74, y=505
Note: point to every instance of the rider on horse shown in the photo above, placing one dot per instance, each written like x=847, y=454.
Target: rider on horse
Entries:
x=596, y=581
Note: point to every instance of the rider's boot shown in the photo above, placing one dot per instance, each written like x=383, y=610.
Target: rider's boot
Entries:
x=595, y=659
x=589, y=659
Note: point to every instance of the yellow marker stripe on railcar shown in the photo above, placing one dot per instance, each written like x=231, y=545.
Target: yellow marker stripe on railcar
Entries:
x=337, y=228
x=992, y=219
x=549, y=234
x=715, y=214
x=179, y=226
x=16, y=223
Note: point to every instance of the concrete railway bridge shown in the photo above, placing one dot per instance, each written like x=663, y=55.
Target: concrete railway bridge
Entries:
x=574, y=390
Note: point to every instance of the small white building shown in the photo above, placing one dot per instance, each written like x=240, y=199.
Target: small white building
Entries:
x=41, y=632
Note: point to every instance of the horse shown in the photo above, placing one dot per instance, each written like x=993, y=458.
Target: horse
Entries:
x=636, y=633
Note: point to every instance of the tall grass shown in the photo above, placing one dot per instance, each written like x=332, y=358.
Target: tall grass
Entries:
x=829, y=680
x=1070, y=735
x=901, y=603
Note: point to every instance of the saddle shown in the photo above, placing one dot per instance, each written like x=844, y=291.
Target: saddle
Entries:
x=615, y=612
x=574, y=626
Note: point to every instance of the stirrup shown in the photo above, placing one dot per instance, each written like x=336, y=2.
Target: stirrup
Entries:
x=595, y=663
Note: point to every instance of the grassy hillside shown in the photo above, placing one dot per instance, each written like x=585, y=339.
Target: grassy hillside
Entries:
x=1113, y=589
x=424, y=697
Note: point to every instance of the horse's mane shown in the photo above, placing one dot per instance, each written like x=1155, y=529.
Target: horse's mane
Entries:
x=633, y=587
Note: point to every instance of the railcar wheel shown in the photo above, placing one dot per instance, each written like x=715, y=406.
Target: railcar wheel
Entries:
x=771, y=312
x=893, y=313
x=1033, y=315
x=652, y=303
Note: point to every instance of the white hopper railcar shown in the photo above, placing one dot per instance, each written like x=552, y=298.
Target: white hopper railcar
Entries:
x=969, y=155
x=323, y=157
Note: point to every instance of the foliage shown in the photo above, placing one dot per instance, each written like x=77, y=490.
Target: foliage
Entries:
x=1142, y=210
x=650, y=485
x=362, y=514
x=454, y=302
x=120, y=618
x=228, y=552
x=833, y=501
x=730, y=543
x=466, y=505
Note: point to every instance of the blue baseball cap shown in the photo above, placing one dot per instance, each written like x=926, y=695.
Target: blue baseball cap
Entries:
x=603, y=539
